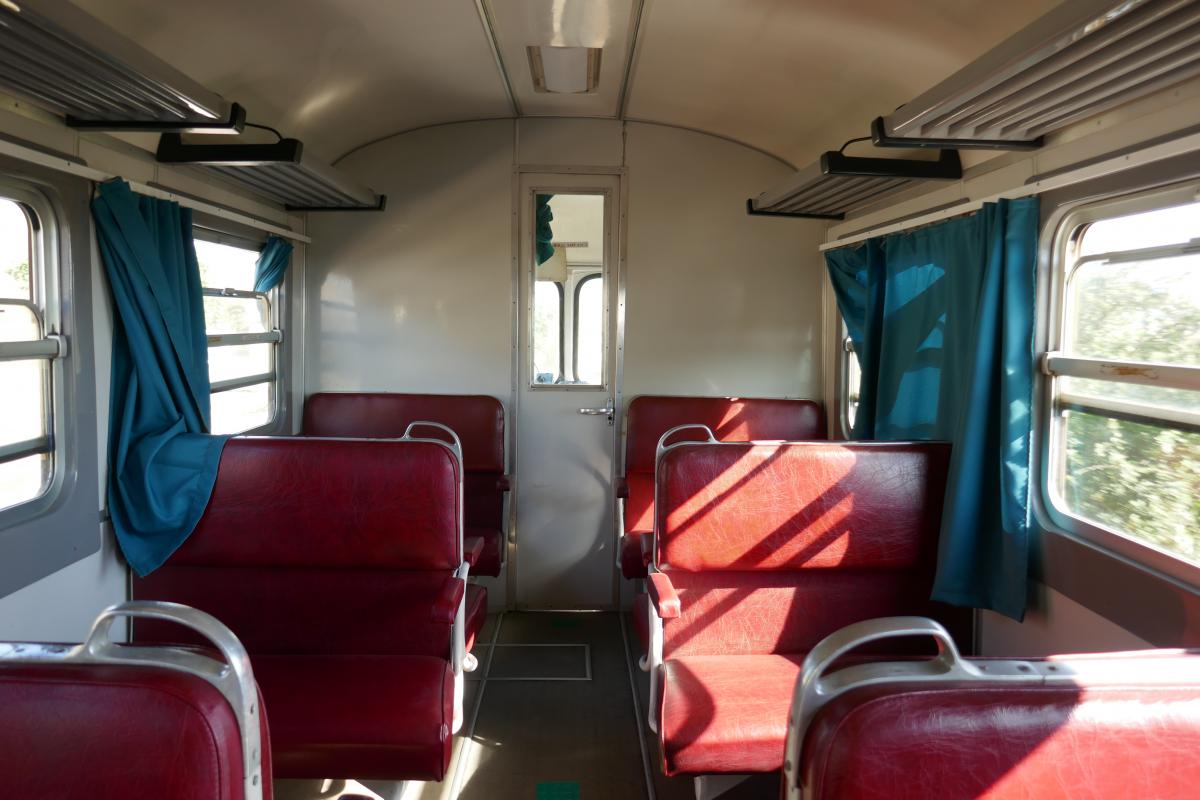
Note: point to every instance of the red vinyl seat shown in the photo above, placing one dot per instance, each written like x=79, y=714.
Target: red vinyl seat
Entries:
x=121, y=722
x=478, y=420
x=339, y=564
x=761, y=550
x=1096, y=727
x=731, y=419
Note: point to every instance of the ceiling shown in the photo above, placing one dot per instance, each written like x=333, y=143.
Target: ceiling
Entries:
x=790, y=77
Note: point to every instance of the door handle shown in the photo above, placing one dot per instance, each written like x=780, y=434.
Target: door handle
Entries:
x=607, y=410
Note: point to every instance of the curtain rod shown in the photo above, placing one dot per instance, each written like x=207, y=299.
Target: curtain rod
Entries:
x=77, y=167
x=1035, y=185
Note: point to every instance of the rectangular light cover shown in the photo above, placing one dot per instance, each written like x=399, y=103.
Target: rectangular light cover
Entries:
x=564, y=70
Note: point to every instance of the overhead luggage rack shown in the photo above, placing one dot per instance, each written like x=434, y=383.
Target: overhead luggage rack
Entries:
x=1083, y=58
x=280, y=171
x=68, y=62
x=839, y=183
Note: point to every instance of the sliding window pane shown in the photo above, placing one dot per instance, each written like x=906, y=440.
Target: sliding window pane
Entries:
x=22, y=400
x=223, y=266
x=1162, y=226
x=236, y=315
x=18, y=323
x=24, y=479
x=1141, y=480
x=1136, y=311
x=238, y=361
x=16, y=245
x=241, y=409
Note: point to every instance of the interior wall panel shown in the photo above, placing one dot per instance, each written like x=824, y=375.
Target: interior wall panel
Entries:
x=1057, y=624
x=417, y=298
x=719, y=302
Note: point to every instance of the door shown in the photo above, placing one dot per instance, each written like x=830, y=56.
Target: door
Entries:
x=566, y=390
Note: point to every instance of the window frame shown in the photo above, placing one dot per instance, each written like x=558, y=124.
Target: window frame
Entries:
x=51, y=346
x=607, y=270
x=1060, y=231
x=275, y=377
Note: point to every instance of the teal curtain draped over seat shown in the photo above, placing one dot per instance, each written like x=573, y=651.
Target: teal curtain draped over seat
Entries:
x=272, y=264
x=162, y=462
x=543, y=233
x=942, y=324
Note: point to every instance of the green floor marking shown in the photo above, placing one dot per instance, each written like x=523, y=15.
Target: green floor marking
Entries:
x=561, y=790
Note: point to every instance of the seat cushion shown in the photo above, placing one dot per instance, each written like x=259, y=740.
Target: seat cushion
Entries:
x=726, y=713
x=375, y=717
x=476, y=612
x=493, y=550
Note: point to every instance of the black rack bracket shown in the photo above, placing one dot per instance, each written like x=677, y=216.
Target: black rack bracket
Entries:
x=948, y=167
x=172, y=150
x=235, y=124
x=881, y=138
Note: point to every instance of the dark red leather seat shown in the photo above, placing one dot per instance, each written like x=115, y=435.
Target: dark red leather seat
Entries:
x=75, y=725
x=761, y=550
x=731, y=419
x=1103, y=727
x=477, y=419
x=335, y=563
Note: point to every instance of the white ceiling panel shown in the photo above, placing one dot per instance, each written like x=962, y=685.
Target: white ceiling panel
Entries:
x=798, y=77
x=333, y=73
x=564, y=23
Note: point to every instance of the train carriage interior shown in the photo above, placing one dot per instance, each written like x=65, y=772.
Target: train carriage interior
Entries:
x=590, y=399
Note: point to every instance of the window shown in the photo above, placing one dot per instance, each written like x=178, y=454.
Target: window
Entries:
x=568, y=288
x=547, y=332
x=1124, y=438
x=587, y=358
x=242, y=338
x=28, y=347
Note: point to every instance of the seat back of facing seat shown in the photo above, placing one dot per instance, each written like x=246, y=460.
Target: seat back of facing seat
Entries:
x=772, y=546
x=112, y=722
x=478, y=420
x=729, y=418
x=321, y=547
x=1100, y=727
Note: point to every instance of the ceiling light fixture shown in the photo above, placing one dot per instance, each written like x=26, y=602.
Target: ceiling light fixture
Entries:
x=564, y=70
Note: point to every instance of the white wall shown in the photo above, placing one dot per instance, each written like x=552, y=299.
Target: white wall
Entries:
x=419, y=298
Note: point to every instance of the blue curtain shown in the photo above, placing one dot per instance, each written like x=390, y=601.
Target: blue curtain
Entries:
x=162, y=462
x=543, y=234
x=272, y=264
x=942, y=323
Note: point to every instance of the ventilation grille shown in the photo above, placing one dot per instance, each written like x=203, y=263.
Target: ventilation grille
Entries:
x=66, y=61
x=281, y=172
x=1083, y=58
x=839, y=183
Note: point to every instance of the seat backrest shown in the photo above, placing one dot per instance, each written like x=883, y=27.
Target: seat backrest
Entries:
x=477, y=419
x=119, y=723
x=731, y=419
x=321, y=546
x=773, y=546
x=1066, y=728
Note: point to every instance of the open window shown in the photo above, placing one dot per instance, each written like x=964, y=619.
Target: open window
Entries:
x=1122, y=429
x=243, y=336
x=28, y=348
